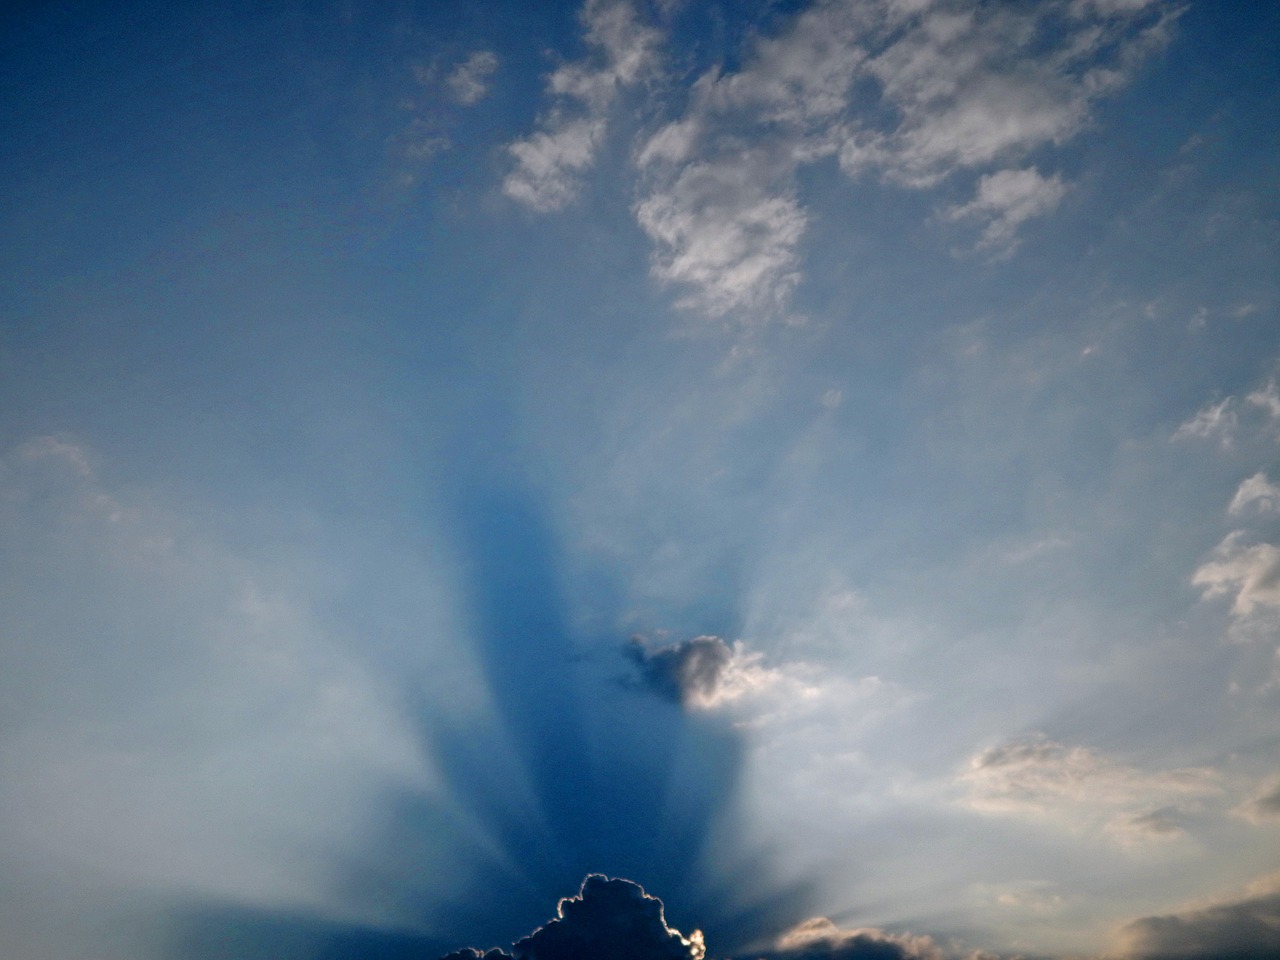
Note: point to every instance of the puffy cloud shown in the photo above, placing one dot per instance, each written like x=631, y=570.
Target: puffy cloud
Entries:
x=549, y=163
x=1250, y=572
x=1042, y=778
x=1247, y=928
x=1006, y=200
x=608, y=920
x=1257, y=492
x=469, y=80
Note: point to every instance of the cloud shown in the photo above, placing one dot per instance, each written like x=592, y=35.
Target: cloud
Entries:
x=704, y=672
x=726, y=231
x=1263, y=806
x=913, y=93
x=550, y=162
x=1216, y=420
x=1259, y=408
x=1006, y=200
x=1039, y=777
x=1257, y=492
x=1250, y=572
x=1247, y=928
x=608, y=920
x=469, y=80
x=820, y=939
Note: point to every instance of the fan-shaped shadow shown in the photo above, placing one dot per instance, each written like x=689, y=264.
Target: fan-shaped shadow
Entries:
x=577, y=773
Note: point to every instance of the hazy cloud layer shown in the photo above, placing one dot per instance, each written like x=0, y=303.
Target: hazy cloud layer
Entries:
x=1042, y=778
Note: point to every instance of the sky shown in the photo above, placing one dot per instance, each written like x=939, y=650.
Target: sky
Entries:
x=816, y=461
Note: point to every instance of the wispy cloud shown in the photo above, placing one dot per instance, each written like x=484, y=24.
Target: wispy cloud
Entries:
x=469, y=80
x=1256, y=493
x=550, y=162
x=1082, y=788
x=1005, y=201
x=1249, y=573
x=913, y=93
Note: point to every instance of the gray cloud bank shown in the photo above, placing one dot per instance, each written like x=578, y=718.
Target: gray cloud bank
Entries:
x=614, y=919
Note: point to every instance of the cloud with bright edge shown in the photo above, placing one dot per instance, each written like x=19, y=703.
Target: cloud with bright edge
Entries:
x=1240, y=928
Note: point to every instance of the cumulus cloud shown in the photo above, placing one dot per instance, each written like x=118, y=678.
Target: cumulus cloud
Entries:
x=550, y=162
x=1247, y=928
x=1257, y=493
x=608, y=920
x=1042, y=778
x=468, y=82
x=912, y=93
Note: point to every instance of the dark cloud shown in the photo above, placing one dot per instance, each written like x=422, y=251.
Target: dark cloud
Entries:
x=683, y=672
x=1247, y=929
x=607, y=920
x=820, y=939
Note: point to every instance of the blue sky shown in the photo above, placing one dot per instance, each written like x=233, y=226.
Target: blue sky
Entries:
x=392, y=395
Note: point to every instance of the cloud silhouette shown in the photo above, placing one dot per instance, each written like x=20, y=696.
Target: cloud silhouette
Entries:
x=608, y=920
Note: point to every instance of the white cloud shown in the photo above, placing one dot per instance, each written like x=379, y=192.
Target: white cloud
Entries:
x=1251, y=573
x=1081, y=788
x=550, y=162
x=1267, y=399
x=1259, y=411
x=1216, y=420
x=1006, y=200
x=469, y=80
x=911, y=92
x=726, y=233
x=1257, y=492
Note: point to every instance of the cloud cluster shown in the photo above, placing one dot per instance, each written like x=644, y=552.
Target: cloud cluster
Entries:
x=608, y=920
x=910, y=92
x=1247, y=928
x=1043, y=778
x=550, y=162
